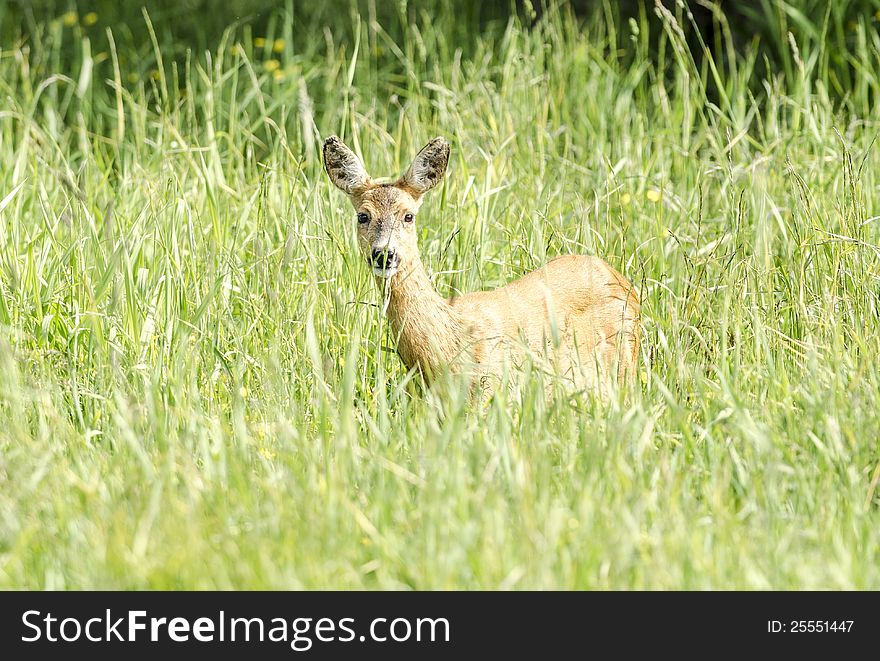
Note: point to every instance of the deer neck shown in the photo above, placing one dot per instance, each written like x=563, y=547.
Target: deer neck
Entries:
x=427, y=330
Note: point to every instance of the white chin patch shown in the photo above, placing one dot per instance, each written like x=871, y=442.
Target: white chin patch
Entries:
x=384, y=273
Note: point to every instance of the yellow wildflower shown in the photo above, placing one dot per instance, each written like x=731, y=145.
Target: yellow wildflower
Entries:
x=271, y=65
x=259, y=42
x=625, y=199
x=654, y=195
x=278, y=46
x=70, y=19
x=90, y=19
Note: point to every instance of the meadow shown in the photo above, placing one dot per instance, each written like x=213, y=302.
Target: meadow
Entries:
x=197, y=389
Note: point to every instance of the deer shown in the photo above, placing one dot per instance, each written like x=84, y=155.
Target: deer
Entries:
x=575, y=314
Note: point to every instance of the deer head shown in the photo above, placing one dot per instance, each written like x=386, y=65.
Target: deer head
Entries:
x=386, y=212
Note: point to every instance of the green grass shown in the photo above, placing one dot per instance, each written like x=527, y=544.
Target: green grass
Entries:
x=194, y=386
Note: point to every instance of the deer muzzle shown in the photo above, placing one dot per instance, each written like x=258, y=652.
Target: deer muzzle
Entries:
x=385, y=262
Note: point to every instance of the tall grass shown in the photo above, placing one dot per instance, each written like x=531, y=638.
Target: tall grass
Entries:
x=196, y=389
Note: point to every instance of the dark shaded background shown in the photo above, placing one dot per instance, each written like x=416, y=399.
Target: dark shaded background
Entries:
x=199, y=25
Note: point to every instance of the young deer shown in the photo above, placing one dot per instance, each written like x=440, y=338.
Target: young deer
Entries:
x=576, y=313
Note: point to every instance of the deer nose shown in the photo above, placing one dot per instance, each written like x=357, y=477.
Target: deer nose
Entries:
x=384, y=258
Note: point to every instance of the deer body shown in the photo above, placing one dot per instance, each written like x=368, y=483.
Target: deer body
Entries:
x=576, y=314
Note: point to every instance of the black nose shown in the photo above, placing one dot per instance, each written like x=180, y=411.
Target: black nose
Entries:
x=384, y=258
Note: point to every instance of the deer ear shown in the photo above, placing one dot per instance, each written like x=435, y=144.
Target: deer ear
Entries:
x=428, y=167
x=344, y=168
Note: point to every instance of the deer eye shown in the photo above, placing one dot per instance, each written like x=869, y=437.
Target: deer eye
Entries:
x=408, y=218
x=363, y=218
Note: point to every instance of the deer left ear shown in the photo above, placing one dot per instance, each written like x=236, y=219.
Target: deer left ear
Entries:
x=343, y=167
x=428, y=167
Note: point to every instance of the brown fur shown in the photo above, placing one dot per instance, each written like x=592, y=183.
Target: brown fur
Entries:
x=576, y=315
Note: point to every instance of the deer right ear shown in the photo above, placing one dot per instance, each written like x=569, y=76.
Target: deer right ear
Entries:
x=344, y=168
x=428, y=167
